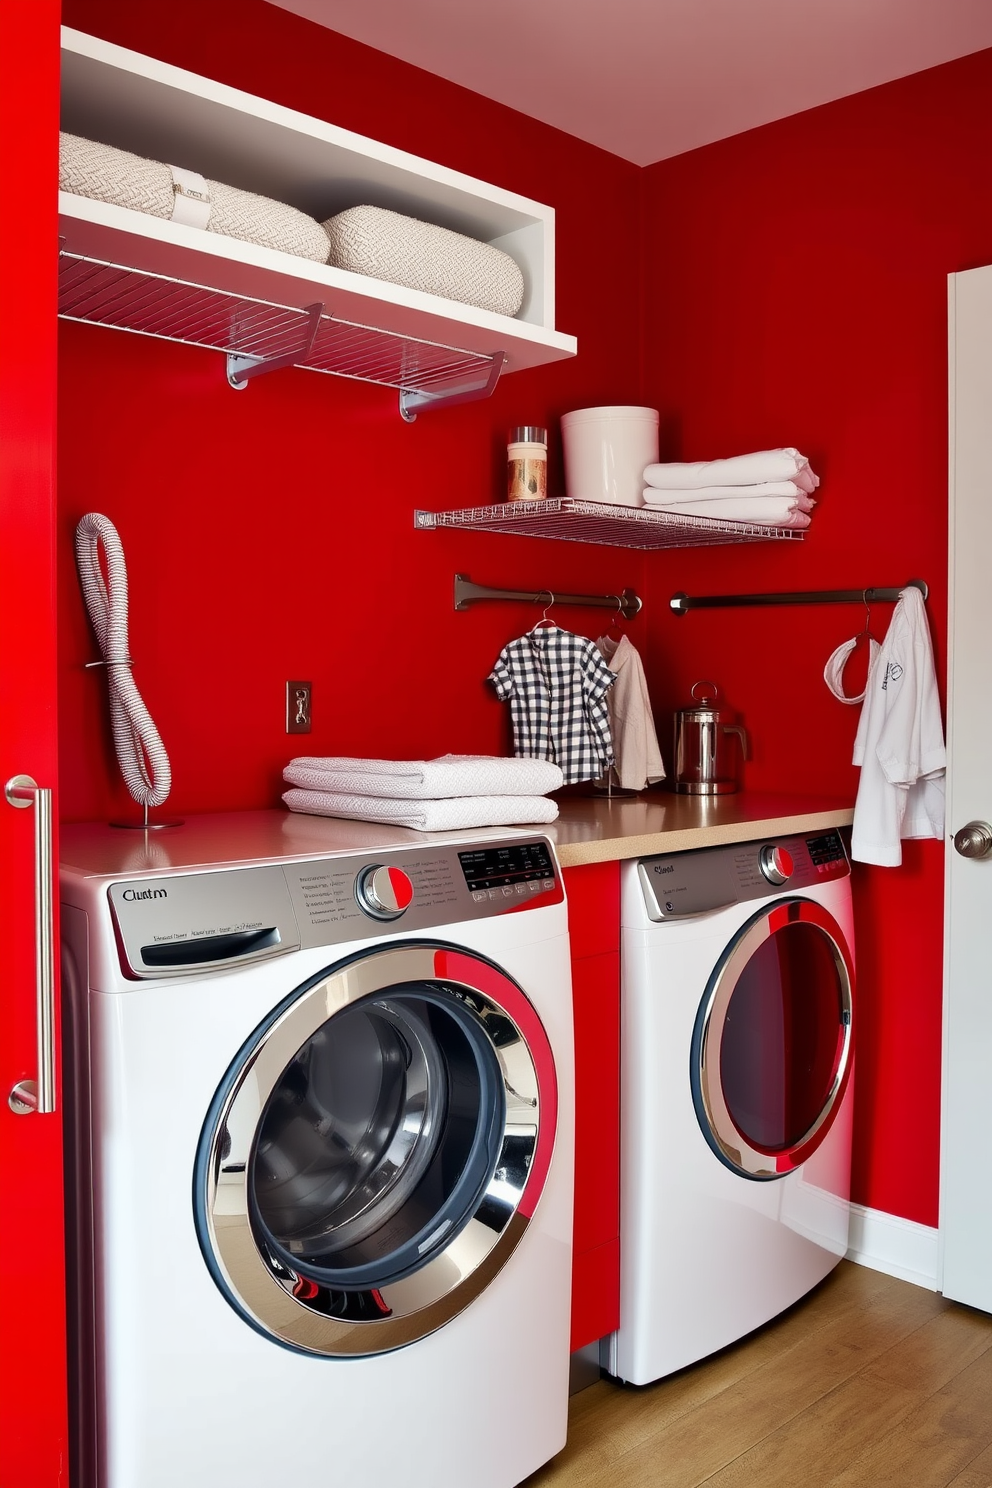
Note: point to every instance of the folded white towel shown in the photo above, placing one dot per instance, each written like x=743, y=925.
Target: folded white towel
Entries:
x=416, y=780
x=426, y=816
x=655, y=496
x=739, y=470
x=768, y=511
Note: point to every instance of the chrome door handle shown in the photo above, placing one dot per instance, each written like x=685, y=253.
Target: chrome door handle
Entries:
x=38, y=1095
x=974, y=840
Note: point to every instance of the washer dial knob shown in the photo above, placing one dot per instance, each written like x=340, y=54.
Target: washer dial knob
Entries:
x=384, y=893
x=776, y=864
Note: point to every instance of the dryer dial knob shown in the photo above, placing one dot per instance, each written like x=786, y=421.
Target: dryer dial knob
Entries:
x=776, y=864
x=384, y=893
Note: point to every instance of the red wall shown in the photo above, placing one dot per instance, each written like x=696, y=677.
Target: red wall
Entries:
x=269, y=533
x=783, y=287
x=795, y=293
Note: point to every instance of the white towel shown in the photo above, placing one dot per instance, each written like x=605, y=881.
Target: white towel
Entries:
x=655, y=496
x=417, y=780
x=739, y=470
x=768, y=511
x=426, y=816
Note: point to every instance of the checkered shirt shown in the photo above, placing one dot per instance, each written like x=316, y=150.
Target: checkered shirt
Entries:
x=556, y=685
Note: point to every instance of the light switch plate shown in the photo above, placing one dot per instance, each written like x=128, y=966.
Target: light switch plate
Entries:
x=298, y=696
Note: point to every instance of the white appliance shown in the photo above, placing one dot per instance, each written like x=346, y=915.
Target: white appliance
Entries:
x=321, y=1154
x=736, y=1094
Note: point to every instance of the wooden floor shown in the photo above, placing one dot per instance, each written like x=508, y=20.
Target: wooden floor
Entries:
x=869, y=1381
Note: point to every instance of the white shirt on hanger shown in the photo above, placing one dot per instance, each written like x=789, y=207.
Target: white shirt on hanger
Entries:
x=900, y=742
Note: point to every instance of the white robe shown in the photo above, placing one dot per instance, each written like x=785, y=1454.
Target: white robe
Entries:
x=900, y=742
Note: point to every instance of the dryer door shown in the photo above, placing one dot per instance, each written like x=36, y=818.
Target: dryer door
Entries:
x=771, y=1048
x=376, y=1150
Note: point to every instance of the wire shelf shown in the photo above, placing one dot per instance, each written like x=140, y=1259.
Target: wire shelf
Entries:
x=598, y=522
x=109, y=294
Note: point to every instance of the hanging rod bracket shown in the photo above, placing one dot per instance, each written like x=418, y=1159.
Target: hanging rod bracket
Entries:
x=682, y=603
x=412, y=399
x=627, y=603
x=240, y=369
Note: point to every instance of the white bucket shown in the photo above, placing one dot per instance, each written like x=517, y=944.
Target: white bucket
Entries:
x=606, y=450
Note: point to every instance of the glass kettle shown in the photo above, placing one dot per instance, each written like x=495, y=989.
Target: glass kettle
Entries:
x=707, y=762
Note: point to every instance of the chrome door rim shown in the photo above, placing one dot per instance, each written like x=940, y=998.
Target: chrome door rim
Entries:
x=716, y=1122
x=261, y=1288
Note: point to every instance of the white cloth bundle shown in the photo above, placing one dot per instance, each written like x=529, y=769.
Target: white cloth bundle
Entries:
x=788, y=490
x=740, y=470
x=449, y=775
x=106, y=174
x=770, y=511
x=426, y=816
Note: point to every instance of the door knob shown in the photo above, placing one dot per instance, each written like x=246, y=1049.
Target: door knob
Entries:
x=974, y=840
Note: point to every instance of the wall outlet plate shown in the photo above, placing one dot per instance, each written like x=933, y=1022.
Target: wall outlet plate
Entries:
x=298, y=697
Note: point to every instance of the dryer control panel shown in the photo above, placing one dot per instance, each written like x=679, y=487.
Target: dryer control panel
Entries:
x=174, y=924
x=693, y=883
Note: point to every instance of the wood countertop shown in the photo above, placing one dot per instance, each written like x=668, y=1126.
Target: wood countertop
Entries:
x=597, y=829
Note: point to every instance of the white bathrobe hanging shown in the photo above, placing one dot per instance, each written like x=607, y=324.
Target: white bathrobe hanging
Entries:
x=900, y=742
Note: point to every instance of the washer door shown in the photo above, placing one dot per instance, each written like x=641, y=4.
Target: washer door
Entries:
x=376, y=1150
x=771, y=1049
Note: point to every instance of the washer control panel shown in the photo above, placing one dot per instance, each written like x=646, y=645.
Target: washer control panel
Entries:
x=693, y=883
x=175, y=924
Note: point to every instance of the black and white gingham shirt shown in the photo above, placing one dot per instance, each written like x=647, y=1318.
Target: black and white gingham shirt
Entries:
x=556, y=685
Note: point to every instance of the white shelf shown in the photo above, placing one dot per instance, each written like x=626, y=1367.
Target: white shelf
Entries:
x=597, y=522
x=137, y=103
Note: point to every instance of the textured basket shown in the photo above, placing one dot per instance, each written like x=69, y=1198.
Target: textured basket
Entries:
x=403, y=250
x=125, y=180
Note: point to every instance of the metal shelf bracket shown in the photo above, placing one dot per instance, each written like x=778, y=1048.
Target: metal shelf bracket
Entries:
x=240, y=369
x=412, y=400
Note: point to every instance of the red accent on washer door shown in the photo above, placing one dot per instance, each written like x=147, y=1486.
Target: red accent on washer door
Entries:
x=462, y=967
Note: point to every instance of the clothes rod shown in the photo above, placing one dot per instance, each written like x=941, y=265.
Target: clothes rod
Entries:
x=627, y=604
x=683, y=603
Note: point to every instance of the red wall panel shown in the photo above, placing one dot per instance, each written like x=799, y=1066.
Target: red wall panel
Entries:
x=269, y=533
x=795, y=293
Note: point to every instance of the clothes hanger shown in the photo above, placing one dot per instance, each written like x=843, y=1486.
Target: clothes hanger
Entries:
x=544, y=618
x=615, y=629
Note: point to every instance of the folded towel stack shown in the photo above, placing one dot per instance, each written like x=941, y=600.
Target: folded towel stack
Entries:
x=439, y=795
x=771, y=487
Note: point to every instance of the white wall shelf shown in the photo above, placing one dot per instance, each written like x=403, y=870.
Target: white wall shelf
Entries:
x=569, y=520
x=136, y=103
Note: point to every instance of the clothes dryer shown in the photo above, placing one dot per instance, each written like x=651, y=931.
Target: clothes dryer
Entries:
x=320, y=1154
x=736, y=1103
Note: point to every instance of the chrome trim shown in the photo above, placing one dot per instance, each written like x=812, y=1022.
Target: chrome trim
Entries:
x=292, y=1308
x=21, y=791
x=730, y=1142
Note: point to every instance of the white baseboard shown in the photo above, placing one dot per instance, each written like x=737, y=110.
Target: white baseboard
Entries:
x=899, y=1247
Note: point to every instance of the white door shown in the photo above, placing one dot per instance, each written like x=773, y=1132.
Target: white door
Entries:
x=966, y=1142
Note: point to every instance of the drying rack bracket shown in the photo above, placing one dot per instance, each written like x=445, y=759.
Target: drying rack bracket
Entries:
x=412, y=400
x=240, y=369
x=627, y=603
x=682, y=603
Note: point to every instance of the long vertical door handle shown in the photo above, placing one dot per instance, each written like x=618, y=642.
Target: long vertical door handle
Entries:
x=39, y=1095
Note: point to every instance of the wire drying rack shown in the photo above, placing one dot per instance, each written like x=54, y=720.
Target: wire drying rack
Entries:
x=258, y=335
x=565, y=518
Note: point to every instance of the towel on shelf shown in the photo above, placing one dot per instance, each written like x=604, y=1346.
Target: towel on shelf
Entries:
x=435, y=779
x=653, y=496
x=426, y=816
x=739, y=470
x=768, y=511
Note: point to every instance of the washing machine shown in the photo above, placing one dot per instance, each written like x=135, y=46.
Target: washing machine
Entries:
x=320, y=1154
x=736, y=1103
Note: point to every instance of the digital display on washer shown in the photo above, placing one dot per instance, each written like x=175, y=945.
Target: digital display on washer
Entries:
x=826, y=849
x=496, y=867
